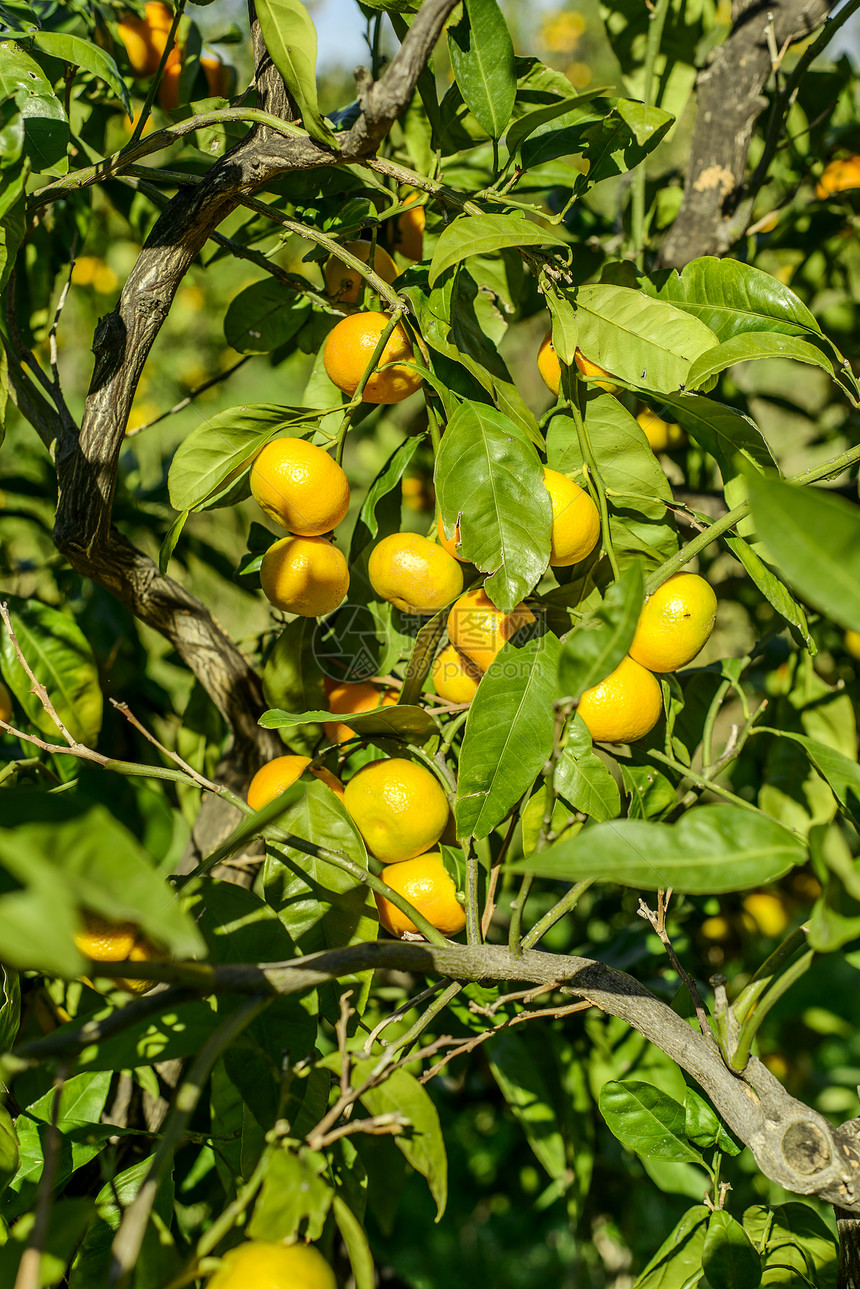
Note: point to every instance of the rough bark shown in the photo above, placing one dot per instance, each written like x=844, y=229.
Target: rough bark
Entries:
x=730, y=99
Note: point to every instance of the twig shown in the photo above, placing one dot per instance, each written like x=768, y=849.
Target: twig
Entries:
x=200, y=779
x=567, y=1009
x=657, y=919
x=190, y=397
x=29, y=1268
x=37, y=688
x=399, y=1012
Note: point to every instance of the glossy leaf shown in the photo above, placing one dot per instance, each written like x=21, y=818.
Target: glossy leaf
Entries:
x=380, y=511
x=411, y=724
x=645, y=342
x=292, y=675
x=10, y=1007
x=484, y=235
x=814, y=540
x=732, y=298
x=841, y=773
x=482, y=59
x=647, y=1120
x=710, y=850
x=263, y=316
x=170, y=542
x=489, y=479
x=523, y=1083
x=357, y=1247
x=295, y=1192
x=82, y=1136
x=83, y=53
x=728, y=1257
x=46, y=127
x=774, y=591
x=291, y=39
x=93, y=1258
x=679, y=1258
x=583, y=780
x=597, y=645
x=509, y=733
x=62, y=660
x=703, y=1128
x=751, y=346
x=800, y=1247
x=722, y=431
x=217, y=453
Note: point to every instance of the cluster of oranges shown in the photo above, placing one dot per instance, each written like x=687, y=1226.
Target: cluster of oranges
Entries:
x=145, y=40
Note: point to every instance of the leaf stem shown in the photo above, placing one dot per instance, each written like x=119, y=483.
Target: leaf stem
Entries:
x=566, y=904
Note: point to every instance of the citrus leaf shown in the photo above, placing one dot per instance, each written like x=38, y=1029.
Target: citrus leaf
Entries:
x=217, y=453
x=291, y=40
x=709, y=851
x=722, y=431
x=295, y=1191
x=82, y=53
x=814, y=540
x=732, y=298
x=597, y=645
x=729, y=1259
x=489, y=479
x=647, y=1120
x=380, y=511
x=263, y=316
x=403, y=721
x=677, y=1263
x=583, y=780
x=483, y=235
x=509, y=733
x=774, y=591
x=482, y=59
x=357, y=1247
x=512, y=1059
x=752, y=345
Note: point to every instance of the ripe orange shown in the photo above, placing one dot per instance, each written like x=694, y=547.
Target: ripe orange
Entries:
x=115, y=942
x=769, y=912
x=548, y=365
x=276, y=776
x=343, y=282
x=425, y=883
x=413, y=573
x=575, y=520
x=168, y=90
x=479, y=630
x=851, y=640
x=624, y=707
x=590, y=370
x=662, y=436
x=259, y=1265
x=408, y=236
x=344, y=699
x=300, y=486
x=838, y=176
x=6, y=711
x=399, y=808
x=349, y=349
x=218, y=76
x=450, y=544
x=675, y=623
x=304, y=575
x=455, y=678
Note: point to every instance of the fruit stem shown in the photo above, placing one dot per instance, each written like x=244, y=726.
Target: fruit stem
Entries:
x=517, y=906
x=702, y=781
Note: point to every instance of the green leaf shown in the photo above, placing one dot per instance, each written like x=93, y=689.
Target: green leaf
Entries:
x=489, y=478
x=237, y=925
x=82, y=1136
x=800, y=1245
x=679, y=1258
x=45, y=125
x=651, y=794
x=217, y=453
x=482, y=59
x=814, y=539
x=728, y=1257
x=509, y=733
x=357, y=1247
x=380, y=511
x=702, y=1126
x=404, y=722
x=83, y=53
x=69, y=1218
x=722, y=431
x=171, y=538
x=10, y=1007
x=753, y=345
x=709, y=851
x=732, y=298
x=647, y=1120
x=292, y=674
x=9, y=1151
x=841, y=773
x=263, y=316
x=291, y=39
x=597, y=645
x=296, y=1190
x=61, y=659
x=512, y=1059
x=92, y=1262
x=583, y=780
x=773, y=590
x=646, y=343
x=483, y=235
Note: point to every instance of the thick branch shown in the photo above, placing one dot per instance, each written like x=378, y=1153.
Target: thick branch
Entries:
x=730, y=99
x=792, y=1144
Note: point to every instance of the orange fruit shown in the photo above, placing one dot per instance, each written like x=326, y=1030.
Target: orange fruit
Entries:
x=590, y=370
x=838, y=176
x=399, y=808
x=662, y=436
x=260, y=1265
x=450, y=544
x=851, y=640
x=105, y=941
x=479, y=630
x=426, y=884
x=769, y=913
x=349, y=349
x=675, y=623
x=454, y=677
x=304, y=575
x=345, y=698
x=277, y=775
x=575, y=520
x=218, y=78
x=624, y=707
x=168, y=90
x=408, y=236
x=413, y=573
x=343, y=282
x=548, y=365
x=6, y=711
x=300, y=487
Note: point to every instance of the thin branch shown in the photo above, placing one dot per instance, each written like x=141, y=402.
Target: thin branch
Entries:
x=657, y=919
x=38, y=689
x=30, y=1266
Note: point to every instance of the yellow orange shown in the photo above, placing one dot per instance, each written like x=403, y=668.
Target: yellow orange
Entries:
x=427, y=885
x=145, y=38
x=624, y=707
x=851, y=640
x=548, y=365
x=838, y=176
x=675, y=623
x=399, y=808
x=6, y=711
x=769, y=913
x=218, y=76
x=116, y=942
x=168, y=90
x=300, y=487
x=260, y=1265
x=454, y=677
x=479, y=630
x=344, y=282
x=348, y=351
x=413, y=573
x=346, y=699
x=408, y=236
x=276, y=776
x=662, y=436
x=591, y=370
x=304, y=575
x=575, y=520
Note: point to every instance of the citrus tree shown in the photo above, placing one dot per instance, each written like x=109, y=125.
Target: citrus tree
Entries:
x=530, y=709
